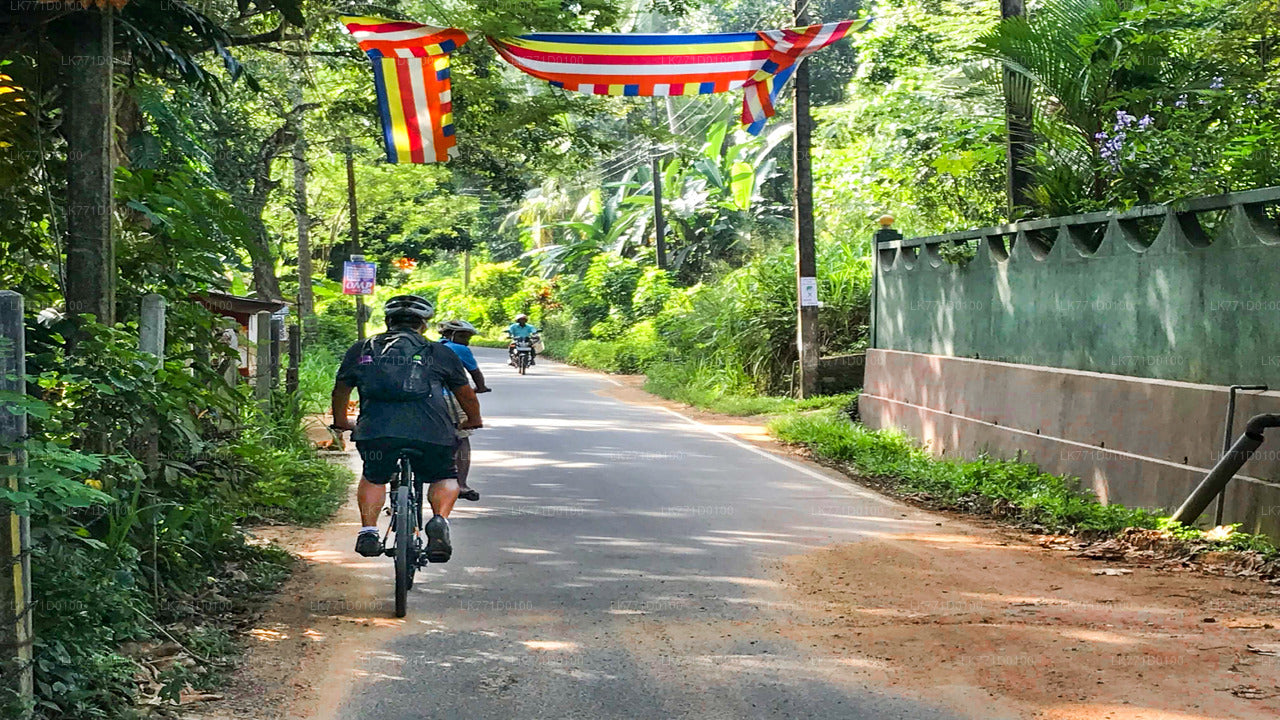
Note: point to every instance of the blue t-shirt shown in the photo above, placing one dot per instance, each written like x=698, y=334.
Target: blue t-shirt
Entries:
x=522, y=331
x=464, y=354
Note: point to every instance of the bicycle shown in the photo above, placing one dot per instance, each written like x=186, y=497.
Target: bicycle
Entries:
x=406, y=525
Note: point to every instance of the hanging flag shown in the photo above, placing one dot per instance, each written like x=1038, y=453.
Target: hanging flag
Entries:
x=411, y=71
x=411, y=76
x=665, y=65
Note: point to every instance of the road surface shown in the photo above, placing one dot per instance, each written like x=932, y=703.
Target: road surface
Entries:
x=619, y=566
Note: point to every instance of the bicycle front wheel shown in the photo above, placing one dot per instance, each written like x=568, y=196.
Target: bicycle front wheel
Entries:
x=404, y=544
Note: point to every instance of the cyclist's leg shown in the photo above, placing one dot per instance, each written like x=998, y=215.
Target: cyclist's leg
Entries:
x=437, y=465
x=379, y=465
x=462, y=458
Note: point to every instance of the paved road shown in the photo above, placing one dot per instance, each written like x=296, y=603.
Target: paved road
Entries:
x=619, y=566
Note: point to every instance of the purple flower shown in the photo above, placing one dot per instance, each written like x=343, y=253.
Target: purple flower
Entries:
x=1159, y=103
x=1100, y=136
x=1145, y=122
x=1124, y=119
x=1182, y=101
x=1217, y=83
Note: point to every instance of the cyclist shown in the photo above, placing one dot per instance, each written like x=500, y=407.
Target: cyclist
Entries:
x=456, y=335
x=521, y=329
x=421, y=423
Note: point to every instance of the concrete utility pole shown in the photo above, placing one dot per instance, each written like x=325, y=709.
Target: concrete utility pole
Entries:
x=659, y=221
x=15, y=541
x=806, y=257
x=355, y=230
x=87, y=123
x=1018, y=126
x=262, y=357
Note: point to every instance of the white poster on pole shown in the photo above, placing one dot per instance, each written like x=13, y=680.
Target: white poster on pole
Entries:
x=809, y=292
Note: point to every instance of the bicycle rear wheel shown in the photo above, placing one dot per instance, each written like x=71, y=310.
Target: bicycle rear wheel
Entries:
x=404, y=543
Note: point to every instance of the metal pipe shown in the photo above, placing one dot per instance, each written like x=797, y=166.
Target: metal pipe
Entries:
x=1226, y=440
x=1221, y=474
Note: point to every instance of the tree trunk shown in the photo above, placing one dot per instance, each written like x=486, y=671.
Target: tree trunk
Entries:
x=87, y=62
x=306, y=298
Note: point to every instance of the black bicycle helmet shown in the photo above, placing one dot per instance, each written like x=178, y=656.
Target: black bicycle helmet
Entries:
x=408, y=306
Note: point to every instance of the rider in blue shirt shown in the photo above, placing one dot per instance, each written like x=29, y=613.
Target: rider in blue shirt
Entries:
x=455, y=334
x=522, y=329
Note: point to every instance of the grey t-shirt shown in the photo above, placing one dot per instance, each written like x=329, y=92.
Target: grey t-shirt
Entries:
x=427, y=420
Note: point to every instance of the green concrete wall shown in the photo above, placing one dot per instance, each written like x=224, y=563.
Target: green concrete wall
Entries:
x=1190, y=292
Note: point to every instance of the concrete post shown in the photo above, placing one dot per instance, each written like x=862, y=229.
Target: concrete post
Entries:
x=262, y=357
x=15, y=541
x=151, y=326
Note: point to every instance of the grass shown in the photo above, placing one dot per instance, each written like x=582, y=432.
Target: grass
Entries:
x=1009, y=490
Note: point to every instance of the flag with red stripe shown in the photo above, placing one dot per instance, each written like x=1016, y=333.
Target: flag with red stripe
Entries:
x=412, y=79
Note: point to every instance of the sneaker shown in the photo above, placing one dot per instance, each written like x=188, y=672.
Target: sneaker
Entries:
x=439, y=549
x=471, y=494
x=369, y=544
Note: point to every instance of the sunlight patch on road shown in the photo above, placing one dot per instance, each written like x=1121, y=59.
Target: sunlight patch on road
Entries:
x=551, y=645
x=1127, y=711
x=1098, y=636
x=529, y=551
x=266, y=635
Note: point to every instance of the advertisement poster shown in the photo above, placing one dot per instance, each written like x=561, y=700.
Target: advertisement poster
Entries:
x=358, y=277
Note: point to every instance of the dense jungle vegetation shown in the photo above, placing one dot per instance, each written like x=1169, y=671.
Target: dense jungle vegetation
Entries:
x=232, y=123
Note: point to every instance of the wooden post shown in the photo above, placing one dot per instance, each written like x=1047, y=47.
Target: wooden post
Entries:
x=262, y=357
x=466, y=271
x=87, y=124
x=806, y=258
x=15, y=541
x=277, y=335
x=295, y=359
x=355, y=232
x=1019, y=141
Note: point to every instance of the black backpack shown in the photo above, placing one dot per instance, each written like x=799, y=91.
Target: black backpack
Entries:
x=396, y=367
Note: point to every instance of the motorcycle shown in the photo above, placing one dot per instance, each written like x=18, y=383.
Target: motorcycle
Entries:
x=522, y=350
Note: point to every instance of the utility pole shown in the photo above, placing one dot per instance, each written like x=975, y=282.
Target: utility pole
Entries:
x=1018, y=126
x=306, y=297
x=806, y=257
x=659, y=221
x=355, y=231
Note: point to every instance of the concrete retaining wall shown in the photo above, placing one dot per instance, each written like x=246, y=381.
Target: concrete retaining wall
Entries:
x=1189, y=292
x=1137, y=441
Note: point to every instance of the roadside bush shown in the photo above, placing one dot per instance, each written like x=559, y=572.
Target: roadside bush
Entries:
x=119, y=549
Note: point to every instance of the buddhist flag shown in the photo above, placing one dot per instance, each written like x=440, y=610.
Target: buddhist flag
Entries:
x=661, y=65
x=411, y=75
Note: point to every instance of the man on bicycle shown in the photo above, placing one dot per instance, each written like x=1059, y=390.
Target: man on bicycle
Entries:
x=456, y=335
x=518, y=330
x=420, y=422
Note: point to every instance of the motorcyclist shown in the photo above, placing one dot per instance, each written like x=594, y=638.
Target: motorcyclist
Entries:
x=519, y=329
x=385, y=427
x=456, y=335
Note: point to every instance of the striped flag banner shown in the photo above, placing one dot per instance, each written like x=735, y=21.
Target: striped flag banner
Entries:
x=411, y=71
x=411, y=75
x=663, y=65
